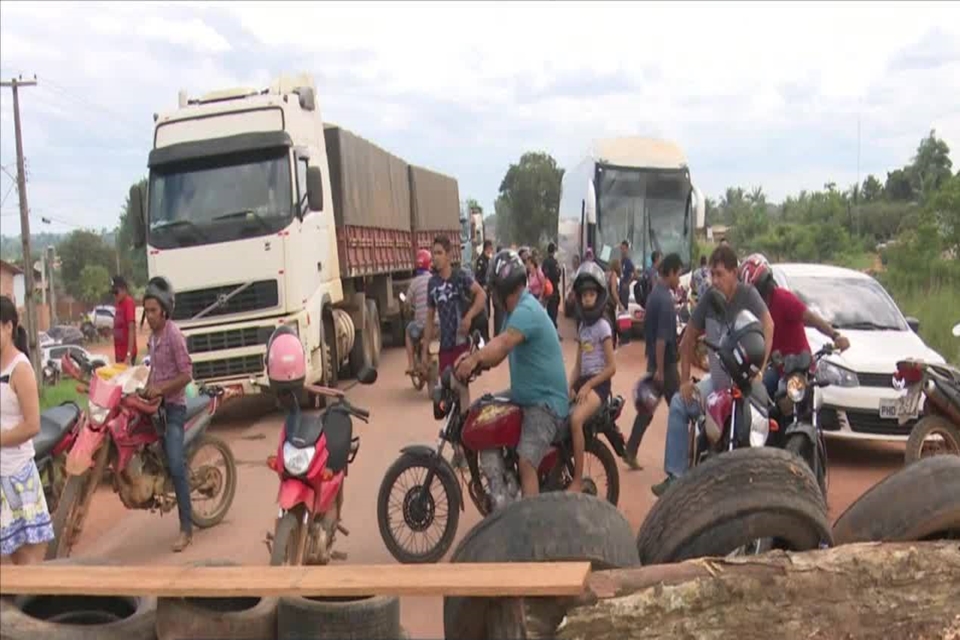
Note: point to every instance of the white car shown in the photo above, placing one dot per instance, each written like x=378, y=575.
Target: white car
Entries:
x=863, y=405
x=55, y=353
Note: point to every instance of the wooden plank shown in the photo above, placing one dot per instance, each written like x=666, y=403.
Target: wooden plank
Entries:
x=171, y=581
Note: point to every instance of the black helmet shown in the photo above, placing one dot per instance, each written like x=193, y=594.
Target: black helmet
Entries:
x=160, y=289
x=742, y=349
x=590, y=276
x=117, y=282
x=506, y=273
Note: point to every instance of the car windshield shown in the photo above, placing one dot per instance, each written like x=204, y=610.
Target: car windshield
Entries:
x=646, y=207
x=218, y=199
x=850, y=303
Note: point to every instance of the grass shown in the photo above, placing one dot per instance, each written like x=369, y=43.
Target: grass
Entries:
x=65, y=390
x=937, y=309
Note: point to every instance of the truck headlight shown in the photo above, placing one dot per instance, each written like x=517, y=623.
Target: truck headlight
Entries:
x=297, y=461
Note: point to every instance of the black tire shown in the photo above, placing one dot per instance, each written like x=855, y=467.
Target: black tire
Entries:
x=550, y=527
x=926, y=427
x=331, y=359
x=731, y=500
x=76, y=489
x=248, y=618
x=559, y=481
x=799, y=445
x=370, y=618
x=919, y=502
x=230, y=482
x=285, y=532
x=78, y=617
x=448, y=481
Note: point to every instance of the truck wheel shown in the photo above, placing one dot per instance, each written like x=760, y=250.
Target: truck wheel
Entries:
x=732, y=500
x=919, y=502
x=550, y=527
x=331, y=361
x=373, y=327
x=78, y=617
x=932, y=426
x=370, y=618
x=216, y=618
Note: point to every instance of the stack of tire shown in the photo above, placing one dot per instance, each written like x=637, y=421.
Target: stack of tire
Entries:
x=241, y=618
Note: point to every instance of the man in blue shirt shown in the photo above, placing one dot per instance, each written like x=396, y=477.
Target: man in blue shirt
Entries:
x=538, y=381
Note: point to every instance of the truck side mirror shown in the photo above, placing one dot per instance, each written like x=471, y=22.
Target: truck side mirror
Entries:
x=314, y=189
x=138, y=220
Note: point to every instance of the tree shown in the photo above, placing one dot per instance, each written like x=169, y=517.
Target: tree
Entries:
x=529, y=200
x=94, y=283
x=133, y=262
x=945, y=206
x=898, y=186
x=931, y=167
x=83, y=248
x=872, y=189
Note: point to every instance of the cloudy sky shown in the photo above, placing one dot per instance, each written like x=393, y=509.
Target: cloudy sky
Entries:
x=756, y=94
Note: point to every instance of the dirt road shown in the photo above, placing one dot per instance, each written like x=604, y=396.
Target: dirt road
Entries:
x=400, y=416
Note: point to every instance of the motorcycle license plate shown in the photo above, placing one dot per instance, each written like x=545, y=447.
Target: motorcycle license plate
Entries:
x=904, y=408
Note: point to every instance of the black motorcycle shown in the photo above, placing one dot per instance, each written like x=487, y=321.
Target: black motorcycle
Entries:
x=797, y=404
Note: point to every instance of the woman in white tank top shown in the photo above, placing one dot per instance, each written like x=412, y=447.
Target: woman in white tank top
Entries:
x=25, y=527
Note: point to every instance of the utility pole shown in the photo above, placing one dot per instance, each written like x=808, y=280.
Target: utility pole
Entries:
x=51, y=265
x=28, y=292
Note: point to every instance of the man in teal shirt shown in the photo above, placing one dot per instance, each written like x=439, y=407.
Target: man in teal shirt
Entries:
x=538, y=380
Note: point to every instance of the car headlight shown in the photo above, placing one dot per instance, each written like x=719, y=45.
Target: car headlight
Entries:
x=796, y=388
x=836, y=375
x=759, y=428
x=98, y=414
x=297, y=461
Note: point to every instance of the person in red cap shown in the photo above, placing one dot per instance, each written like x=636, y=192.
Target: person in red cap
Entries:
x=124, y=323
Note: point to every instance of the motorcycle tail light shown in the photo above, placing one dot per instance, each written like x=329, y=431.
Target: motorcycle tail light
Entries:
x=774, y=427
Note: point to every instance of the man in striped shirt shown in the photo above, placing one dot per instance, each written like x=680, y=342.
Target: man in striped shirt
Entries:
x=418, y=301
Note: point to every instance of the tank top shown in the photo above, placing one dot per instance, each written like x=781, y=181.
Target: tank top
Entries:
x=12, y=459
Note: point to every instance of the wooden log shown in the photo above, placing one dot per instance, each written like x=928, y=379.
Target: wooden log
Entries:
x=171, y=581
x=872, y=591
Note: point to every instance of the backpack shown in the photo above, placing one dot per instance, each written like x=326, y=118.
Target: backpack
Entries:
x=547, y=288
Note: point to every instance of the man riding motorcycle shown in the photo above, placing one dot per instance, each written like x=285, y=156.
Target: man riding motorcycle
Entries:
x=418, y=301
x=537, y=377
x=790, y=316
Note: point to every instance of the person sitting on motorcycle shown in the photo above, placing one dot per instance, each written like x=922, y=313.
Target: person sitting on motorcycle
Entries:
x=171, y=370
x=537, y=381
x=418, y=301
x=595, y=366
x=684, y=408
x=790, y=316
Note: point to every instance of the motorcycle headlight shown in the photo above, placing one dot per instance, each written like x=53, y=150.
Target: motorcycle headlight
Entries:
x=836, y=375
x=297, y=461
x=98, y=414
x=759, y=428
x=796, y=388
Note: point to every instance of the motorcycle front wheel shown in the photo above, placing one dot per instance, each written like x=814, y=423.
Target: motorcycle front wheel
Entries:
x=73, y=505
x=211, y=482
x=286, y=539
x=409, y=512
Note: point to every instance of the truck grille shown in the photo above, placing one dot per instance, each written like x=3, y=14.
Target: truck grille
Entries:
x=234, y=339
x=260, y=295
x=229, y=367
x=881, y=380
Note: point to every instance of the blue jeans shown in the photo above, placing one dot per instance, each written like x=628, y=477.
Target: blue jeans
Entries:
x=771, y=380
x=176, y=462
x=676, y=454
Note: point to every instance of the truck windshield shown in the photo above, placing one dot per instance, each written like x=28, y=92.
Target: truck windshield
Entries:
x=646, y=207
x=209, y=200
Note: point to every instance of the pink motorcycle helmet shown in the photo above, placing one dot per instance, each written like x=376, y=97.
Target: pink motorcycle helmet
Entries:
x=286, y=360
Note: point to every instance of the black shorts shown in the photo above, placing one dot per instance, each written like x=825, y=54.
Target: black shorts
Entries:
x=602, y=389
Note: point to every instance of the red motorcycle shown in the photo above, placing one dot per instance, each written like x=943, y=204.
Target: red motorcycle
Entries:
x=312, y=460
x=488, y=432
x=122, y=430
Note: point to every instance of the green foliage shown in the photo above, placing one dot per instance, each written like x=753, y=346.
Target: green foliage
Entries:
x=63, y=391
x=82, y=249
x=529, y=200
x=94, y=283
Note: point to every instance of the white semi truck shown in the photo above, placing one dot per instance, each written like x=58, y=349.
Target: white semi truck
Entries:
x=261, y=215
x=635, y=189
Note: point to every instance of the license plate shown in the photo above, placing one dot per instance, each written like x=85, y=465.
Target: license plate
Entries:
x=902, y=409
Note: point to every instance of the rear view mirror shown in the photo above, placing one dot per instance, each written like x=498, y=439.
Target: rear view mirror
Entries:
x=367, y=375
x=137, y=219
x=956, y=330
x=314, y=189
x=914, y=324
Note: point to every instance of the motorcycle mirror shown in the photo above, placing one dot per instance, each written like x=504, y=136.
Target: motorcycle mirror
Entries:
x=956, y=330
x=367, y=375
